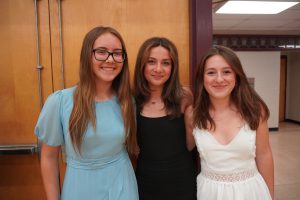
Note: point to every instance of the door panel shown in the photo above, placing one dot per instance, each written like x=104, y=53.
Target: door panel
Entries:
x=135, y=20
x=282, y=95
x=19, y=94
x=20, y=177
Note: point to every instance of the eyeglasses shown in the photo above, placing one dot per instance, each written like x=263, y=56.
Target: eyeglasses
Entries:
x=102, y=55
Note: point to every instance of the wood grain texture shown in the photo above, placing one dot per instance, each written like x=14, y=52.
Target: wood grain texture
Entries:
x=135, y=20
x=20, y=178
x=19, y=99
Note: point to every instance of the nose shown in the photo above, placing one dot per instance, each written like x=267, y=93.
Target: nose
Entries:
x=110, y=59
x=158, y=68
x=219, y=77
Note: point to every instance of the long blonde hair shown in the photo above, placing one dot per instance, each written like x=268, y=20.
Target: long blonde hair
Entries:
x=83, y=111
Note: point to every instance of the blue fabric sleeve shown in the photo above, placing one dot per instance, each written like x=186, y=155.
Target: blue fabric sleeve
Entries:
x=49, y=126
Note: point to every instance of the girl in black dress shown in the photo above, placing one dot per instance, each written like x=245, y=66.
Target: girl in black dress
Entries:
x=165, y=168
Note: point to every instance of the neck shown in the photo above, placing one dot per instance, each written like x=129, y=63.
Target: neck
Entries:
x=221, y=104
x=103, y=92
x=223, y=110
x=155, y=95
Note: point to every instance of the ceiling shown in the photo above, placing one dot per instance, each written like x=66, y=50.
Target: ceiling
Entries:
x=284, y=23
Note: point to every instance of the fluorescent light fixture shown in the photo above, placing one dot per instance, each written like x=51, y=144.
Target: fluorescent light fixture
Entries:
x=254, y=7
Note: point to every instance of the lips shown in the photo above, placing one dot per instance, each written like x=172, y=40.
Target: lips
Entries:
x=108, y=69
x=219, y=86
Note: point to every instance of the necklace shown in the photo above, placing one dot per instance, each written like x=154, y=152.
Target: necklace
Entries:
x=156, y=101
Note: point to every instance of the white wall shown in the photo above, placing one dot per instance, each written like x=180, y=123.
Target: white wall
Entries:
x=292, y=85
x=264, y=67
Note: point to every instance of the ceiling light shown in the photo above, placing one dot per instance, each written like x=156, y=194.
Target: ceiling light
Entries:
x=254, y=7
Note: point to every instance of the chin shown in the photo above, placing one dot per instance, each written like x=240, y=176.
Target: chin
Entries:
x=220, y=96
x=160, y=82
x=106, y=79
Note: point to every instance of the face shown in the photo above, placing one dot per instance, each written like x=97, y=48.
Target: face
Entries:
x=158, y=67
x=106, y=71
x=219, y=78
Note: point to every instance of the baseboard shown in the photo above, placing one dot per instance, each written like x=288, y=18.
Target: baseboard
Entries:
x=292, y=121
x=273, y=129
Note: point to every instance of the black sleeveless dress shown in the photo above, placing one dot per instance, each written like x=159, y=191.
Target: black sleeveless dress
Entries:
x=165, y=168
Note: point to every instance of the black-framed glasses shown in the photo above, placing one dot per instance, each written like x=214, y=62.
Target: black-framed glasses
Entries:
x=102, y=55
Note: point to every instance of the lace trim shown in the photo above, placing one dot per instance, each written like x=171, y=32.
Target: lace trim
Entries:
x=233, y=177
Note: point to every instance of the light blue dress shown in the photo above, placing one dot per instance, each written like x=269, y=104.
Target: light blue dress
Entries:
x=103, y=171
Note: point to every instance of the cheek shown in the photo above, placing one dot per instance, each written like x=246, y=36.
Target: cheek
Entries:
x=206, y=81
x=168, y=71
x=120, y=67
x=233, y=80
x=146, y=71
x=95, y=64
x=94, y=67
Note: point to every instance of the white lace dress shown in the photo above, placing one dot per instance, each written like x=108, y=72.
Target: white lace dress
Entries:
x=229, y=172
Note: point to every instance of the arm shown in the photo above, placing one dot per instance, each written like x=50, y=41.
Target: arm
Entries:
x=264, y=158
x=187, y=103
x=50, y=171
x=188, y=120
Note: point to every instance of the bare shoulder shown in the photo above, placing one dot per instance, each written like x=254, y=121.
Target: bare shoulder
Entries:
x=187, y=97
x=187, y=90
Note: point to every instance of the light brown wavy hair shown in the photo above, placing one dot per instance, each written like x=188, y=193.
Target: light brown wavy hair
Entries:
x=172, y=91
x=83, y=111
x=249, y=104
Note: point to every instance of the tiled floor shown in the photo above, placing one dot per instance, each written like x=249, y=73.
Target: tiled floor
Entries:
x=285, y=145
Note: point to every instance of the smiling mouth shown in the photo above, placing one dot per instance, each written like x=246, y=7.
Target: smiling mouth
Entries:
x=219, y=86
x=157, y=76
x=107, y=68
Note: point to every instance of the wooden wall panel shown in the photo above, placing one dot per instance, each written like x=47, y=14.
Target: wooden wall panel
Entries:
x=20, y=178
x=136, y=20
x=19, y=99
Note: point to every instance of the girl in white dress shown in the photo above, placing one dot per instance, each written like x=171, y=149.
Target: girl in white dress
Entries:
x=231, y=132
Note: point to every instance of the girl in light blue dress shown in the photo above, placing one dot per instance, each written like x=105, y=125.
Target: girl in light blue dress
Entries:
x=95, y=122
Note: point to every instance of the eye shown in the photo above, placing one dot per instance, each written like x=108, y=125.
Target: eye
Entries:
x=151, y=62
x=118, y=54
x=227, y=71
x=101, y=52
x=210, y=72
x=166, y=63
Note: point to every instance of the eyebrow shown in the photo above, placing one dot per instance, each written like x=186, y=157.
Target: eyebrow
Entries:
x=165, y=59
x=117, y=49
x=212, y=68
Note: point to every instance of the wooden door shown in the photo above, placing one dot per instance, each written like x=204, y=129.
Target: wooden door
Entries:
x=282, y=91
x=135, y=20
x=19, y=87
x=20, y=177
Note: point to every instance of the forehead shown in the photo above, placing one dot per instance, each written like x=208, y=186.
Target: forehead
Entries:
x=216, y=62
x=159, y=52
x=108, y=41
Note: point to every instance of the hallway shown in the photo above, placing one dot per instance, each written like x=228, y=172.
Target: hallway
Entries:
x=285, y=145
